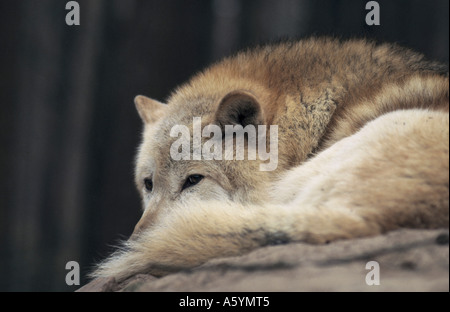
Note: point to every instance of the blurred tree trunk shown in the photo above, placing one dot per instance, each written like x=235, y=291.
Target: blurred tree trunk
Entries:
x=39, y=59
x=8, y=78
x=56, y=75
x=79, y=98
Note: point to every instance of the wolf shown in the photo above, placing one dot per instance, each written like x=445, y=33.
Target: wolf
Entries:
x=363, y=148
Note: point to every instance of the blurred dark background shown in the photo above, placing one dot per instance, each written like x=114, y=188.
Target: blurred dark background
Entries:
x=69, y=130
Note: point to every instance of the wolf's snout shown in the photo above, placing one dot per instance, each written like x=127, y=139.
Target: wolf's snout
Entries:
x=146, y=220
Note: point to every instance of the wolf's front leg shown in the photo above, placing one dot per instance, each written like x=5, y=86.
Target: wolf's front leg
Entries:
x=199, y=231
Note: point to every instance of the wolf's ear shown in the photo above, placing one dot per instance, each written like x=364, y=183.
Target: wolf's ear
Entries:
x=239, y=108
x=149, y=110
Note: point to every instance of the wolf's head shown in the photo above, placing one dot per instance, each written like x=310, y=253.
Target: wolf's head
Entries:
x=192, y=149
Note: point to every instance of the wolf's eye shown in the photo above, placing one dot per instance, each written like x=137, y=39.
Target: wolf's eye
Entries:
x=148, y=183
x=192, y=180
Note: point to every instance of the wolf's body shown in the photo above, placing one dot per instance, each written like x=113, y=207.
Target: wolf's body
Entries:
x=363, y=149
